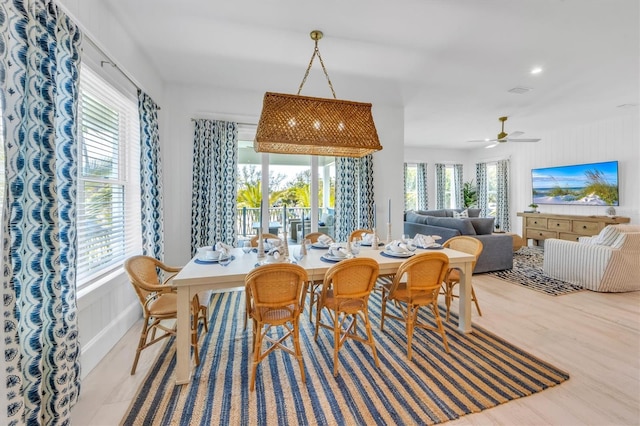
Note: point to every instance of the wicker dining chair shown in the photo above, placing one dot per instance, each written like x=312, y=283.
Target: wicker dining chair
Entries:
x=159, y=303
x=254, y=240
x=312, y=288
x=358, y=233
x=468, y=245
x=275, y=299
x=313, y=237
x=345, y=294
x=424, y=274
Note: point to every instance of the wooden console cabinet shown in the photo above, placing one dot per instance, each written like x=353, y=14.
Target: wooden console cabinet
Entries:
x=540, y=226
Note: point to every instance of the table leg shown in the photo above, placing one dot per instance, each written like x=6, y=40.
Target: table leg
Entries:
x=183, y=338
x=464, y=307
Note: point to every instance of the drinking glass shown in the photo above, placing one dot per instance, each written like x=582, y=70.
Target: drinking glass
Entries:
x=307, y=243
x=246, y=247
x=297, y=255
x=225, y=259
x=355, y=246
x=405, y=238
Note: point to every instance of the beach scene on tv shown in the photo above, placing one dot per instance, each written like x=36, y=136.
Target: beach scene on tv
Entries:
x=594, y=184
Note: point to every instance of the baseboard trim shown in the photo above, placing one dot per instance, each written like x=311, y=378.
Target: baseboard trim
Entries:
x=97, y=348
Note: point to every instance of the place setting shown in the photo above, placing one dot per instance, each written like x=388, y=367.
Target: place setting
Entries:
x=427, y=242
x=399, y=248
x=337, y=252
x=220, y=253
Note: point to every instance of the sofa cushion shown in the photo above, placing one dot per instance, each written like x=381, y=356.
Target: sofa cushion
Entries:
x=435, y=213
x=416, y=218
x=463, y=225
x=482, y=225
x=460, y=215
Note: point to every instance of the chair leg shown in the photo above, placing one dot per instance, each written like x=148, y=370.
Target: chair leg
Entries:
x=411, y=313
x=257, y=345
x=448, y=297
x=296, y=342
x=336, y=343
x=383, y=311
x=372, y=342
x=141, y=342
x=475, y=299
x=434, y=307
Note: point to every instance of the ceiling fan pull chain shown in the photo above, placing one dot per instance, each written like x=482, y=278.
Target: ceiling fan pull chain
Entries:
x=316, y=35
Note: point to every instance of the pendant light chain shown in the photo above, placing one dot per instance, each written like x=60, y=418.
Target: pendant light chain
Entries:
x=316, y=51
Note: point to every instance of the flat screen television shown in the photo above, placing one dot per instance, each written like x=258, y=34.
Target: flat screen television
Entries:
x=594, y=184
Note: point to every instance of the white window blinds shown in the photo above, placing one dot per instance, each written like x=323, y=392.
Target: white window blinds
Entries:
x=109, y=178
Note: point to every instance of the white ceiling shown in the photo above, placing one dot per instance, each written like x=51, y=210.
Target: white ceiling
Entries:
x=450, y=63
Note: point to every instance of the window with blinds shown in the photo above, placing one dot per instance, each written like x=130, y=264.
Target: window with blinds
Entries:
x=108, y=178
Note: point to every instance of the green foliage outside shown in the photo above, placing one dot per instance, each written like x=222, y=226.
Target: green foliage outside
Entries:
x=469, y=194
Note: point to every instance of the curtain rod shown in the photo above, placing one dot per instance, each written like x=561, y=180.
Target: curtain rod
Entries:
x=237, y=122
x=111, y=62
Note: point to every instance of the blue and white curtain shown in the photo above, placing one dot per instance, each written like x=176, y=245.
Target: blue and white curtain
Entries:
x=441, y=186
x=151, y=178
x=354, y=195
x=421, y=186
x=482, y=185
x=213, y=196
x=457, y=185
x=39, y=68
x=502, y=196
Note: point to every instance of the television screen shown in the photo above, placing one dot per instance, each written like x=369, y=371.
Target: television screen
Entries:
x=594, y=184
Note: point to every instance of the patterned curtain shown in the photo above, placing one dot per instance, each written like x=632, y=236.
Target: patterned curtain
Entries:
x=354, y=195
x=40, y=60
x=481, y=180
x=421, y=187
x=502, y=202
x=150, y=179
x=441, y=186
x=457, y=185
x=404, y=185
x=213, y=202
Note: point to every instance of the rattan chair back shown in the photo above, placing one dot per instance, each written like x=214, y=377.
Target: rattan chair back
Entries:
x=266, y=236
x=313, y=237
x=358, y=233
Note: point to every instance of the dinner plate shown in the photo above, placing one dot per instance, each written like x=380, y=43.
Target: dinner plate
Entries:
x=332, y=258
x=206, y=261
x=319, y=246
x=396, y=254
x=363, y=244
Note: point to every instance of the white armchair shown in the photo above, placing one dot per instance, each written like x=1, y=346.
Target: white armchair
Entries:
x=607, y=262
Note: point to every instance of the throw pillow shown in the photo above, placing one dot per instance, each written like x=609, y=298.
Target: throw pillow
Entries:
x=607, y=236
x=464, y=213
x=482, y=225
x=464, y=226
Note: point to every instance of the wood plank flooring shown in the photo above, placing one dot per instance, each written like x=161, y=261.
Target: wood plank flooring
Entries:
x=595, y=337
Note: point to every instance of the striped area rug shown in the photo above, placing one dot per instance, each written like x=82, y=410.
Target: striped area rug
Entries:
x=481, y=372
x=527, y=272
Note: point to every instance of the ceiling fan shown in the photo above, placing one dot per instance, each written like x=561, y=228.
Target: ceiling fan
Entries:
x=505, y=137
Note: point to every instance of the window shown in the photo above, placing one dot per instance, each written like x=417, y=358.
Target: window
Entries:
x=492, y=189
x=290, y=179
x=411, y=188
x=108, y=178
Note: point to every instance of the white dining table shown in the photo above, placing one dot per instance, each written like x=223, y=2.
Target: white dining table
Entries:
x=195, y=277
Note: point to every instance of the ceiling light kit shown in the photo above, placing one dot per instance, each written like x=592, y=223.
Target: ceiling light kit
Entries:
x=294, y=124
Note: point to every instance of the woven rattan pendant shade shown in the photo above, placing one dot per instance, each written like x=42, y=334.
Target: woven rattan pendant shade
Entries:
x=295, y=124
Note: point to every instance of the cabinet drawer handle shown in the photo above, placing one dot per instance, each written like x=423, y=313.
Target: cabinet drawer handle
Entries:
x=584, y=226
x=557, y=224
x=535, y=222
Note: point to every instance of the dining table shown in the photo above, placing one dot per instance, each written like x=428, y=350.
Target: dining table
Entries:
x=197, y=276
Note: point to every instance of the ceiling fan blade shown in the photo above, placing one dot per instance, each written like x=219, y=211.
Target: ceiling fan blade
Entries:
x=523, y=140
x=515, y=134
x=483, y=140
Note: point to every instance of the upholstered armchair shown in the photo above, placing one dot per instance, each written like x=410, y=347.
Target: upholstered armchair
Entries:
x=607, y=262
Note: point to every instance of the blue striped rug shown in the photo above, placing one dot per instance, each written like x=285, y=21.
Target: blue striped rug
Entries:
x=481, y=371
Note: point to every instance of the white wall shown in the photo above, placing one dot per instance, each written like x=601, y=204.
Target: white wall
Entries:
x=606, y=140
x=184, y=102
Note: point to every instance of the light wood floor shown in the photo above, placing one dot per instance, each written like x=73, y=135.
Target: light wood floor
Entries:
x=595, y=337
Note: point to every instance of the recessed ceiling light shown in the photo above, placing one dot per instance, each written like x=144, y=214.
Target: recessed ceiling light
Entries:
x=536, y=70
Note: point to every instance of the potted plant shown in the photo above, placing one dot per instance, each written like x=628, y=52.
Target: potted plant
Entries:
x=534, y=207
x=469, y=194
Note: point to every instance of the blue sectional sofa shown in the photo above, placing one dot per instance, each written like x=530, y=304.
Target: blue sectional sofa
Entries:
x=497, y=252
